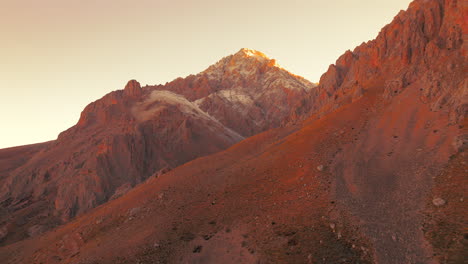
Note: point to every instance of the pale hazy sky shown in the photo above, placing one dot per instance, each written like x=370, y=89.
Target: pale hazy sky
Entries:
x=56, y=56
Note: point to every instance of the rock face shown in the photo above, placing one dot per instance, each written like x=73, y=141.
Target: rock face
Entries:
x=129, y=135
x=247, y=92
x=423, y=44
x=133, y=88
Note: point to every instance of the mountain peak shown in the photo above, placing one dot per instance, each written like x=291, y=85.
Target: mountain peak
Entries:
x=133, y=88
x=245, y=61
x=251, y=53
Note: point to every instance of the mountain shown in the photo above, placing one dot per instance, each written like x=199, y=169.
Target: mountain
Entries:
x=376, y=173
x=119, y=141
x=129, y=135
x=247, y=92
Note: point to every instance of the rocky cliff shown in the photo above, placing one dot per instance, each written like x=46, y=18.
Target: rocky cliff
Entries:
x=424, y=44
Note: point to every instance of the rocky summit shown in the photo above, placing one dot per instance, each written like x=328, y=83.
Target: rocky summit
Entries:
x=247, y=92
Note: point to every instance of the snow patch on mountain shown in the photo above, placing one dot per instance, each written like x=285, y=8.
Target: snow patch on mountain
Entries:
x=253, y=53
x=160, y=99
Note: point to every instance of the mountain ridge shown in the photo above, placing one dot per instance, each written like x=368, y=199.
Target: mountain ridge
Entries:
x=431, y=32
x=375, y=144
x=118, y=142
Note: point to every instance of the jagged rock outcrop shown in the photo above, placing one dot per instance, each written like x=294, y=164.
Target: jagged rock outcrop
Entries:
x=133, y=88
x=415, y=47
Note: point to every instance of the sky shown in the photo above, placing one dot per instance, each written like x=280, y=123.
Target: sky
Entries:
x=57, y=56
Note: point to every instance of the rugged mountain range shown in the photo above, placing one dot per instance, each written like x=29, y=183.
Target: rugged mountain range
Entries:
x=373, y=172
x=131, y=134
